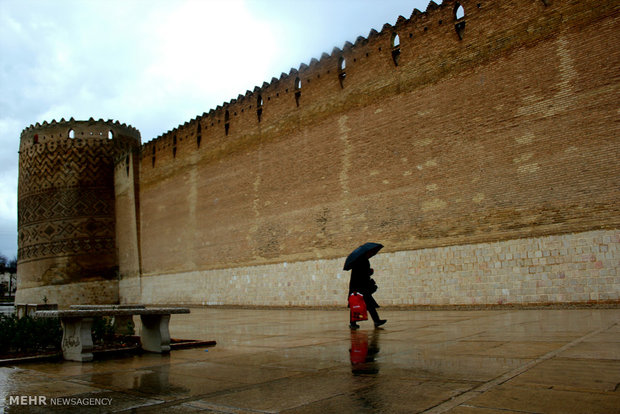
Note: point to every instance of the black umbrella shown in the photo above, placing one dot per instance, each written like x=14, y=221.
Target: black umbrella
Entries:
x=371, y=248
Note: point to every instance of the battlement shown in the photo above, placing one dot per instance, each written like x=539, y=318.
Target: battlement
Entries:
x=334, y=63
x=83, y=132
x=416, y=51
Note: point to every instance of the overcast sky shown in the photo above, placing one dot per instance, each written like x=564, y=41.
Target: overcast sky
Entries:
x=154, y=64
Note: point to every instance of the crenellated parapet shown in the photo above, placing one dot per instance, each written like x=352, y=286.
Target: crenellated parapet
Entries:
x=81, y=132
x=415, y=51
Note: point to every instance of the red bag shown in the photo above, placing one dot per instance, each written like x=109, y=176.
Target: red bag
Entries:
x=358, y=307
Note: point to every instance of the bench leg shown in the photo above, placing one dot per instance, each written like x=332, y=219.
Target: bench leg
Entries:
x=77, y=340
x=154, y=335
x=123, y=325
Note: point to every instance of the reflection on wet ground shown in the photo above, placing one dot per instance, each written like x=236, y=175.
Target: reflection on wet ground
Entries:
x=363, y=352
x=307, y=361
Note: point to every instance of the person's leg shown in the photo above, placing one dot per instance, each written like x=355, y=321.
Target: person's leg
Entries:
x=375, y=316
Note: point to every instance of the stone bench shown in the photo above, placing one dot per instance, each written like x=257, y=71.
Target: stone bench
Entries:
x=77, y=340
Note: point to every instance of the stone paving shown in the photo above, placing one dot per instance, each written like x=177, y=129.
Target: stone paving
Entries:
x=308, y=361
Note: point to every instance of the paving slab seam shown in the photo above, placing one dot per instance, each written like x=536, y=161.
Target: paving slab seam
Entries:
x=156, y=400
x=225, y=408
x=502, y=409
x=192, y=399
x=468, y=395
x=191, y=402
x=342, y=394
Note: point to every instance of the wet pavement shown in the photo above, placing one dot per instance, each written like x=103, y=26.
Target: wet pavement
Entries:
x=308, y=361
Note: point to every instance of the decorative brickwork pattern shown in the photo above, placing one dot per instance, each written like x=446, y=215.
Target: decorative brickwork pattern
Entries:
x=66, y=199
x=66, y=214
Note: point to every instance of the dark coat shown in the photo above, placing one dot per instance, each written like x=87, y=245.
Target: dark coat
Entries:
x=360, y=282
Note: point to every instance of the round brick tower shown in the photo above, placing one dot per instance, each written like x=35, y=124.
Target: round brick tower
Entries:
x=66, y=211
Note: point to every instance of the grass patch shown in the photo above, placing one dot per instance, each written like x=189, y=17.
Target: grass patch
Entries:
x=27, y=336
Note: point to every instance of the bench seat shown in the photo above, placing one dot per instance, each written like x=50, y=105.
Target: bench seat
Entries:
x=77, y=341
x=122, y=324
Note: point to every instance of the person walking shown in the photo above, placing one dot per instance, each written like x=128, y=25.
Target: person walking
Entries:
x=361, y=282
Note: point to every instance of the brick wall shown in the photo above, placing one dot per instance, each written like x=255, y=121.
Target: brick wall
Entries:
x=509, y=134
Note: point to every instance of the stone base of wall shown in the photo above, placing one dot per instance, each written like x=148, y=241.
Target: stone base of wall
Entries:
x=97, y=293
x=570, y=268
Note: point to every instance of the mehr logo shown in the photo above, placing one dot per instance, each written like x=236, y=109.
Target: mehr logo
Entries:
x=27, y=400
x=43, y=400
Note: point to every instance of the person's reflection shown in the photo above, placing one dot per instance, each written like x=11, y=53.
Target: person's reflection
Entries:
x=363, y=352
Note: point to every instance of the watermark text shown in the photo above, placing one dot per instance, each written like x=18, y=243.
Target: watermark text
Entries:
x=43, y=400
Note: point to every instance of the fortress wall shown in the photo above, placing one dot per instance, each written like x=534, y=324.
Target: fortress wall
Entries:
x=569, y=268
x=506, y=136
